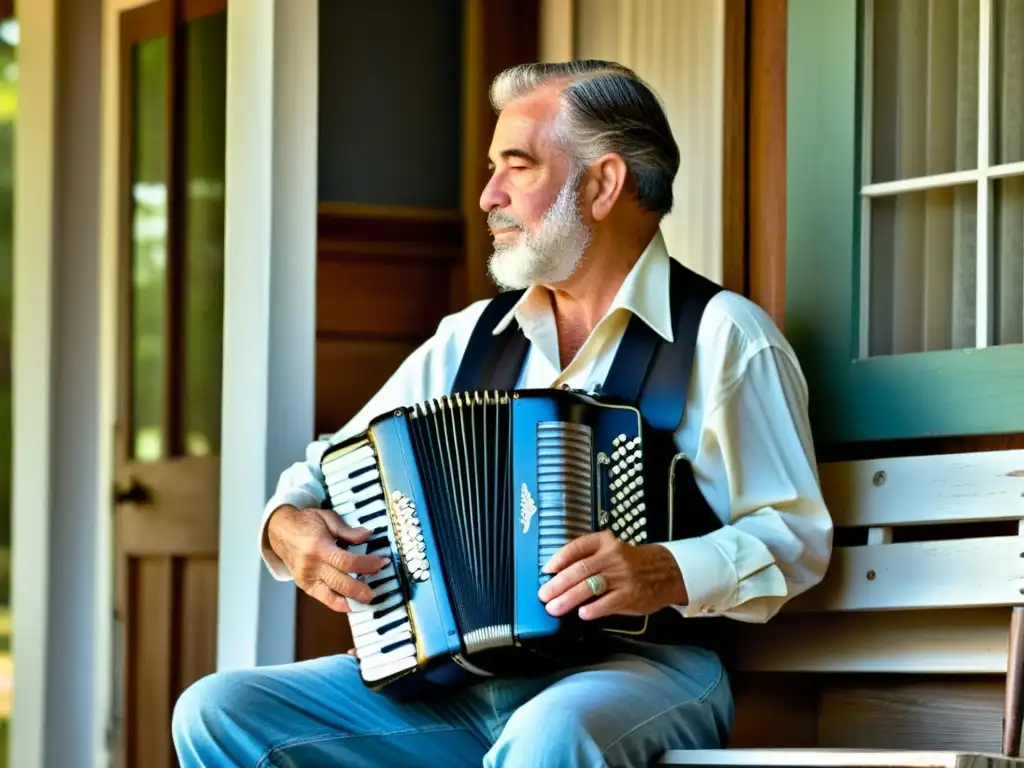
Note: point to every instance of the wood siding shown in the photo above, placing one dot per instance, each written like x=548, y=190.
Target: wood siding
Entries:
x=385, y=279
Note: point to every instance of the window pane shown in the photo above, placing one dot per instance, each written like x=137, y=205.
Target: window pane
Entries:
x=1008, y=81
x=923, y=271
x=149, y=245
x=924, y=96
x=8, y=115
x=205, y=94
x=1008, y=259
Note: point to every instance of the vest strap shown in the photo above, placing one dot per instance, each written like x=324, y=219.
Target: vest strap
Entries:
x=493, y=361
x=663, y=399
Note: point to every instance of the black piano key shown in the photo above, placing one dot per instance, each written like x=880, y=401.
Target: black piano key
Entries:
x=368, y=500
x=383, y=596
x=363, y=486
x=361, y=471
x=385, y=628
x=395, y=645
x=380, y=542
x=377, y=582
x=372, y=516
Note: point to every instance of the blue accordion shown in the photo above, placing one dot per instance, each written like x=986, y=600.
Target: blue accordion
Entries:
x=469, y=495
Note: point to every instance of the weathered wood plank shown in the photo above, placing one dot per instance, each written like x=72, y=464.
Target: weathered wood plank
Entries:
x=901, y=642
x=985, y=485
x=965, y=573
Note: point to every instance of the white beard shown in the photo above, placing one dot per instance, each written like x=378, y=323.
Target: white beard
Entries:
x=549, y=255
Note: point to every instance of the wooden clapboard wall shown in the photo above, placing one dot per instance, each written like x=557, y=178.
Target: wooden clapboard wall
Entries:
x=384, y=281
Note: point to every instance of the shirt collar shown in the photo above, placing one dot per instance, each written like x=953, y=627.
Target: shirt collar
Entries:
x=644, y=293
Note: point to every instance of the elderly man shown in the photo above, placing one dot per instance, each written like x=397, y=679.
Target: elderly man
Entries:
x=583, y=163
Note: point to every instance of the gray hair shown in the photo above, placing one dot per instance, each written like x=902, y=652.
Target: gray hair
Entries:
x=605, y=107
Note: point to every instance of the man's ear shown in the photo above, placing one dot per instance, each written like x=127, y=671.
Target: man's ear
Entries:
x=606, y=179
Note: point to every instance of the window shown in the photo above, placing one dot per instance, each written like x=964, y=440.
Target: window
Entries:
x=943, y=151
x=905, y=266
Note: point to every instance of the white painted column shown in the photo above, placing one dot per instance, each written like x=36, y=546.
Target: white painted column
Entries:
x=57, y=499
x=269, y=310
x=32, y=377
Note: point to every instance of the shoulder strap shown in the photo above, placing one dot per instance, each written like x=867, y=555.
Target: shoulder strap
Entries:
x=632, y=361
x=663, y=398
x=492, y=361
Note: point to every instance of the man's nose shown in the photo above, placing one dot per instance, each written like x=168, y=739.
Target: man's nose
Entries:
x=493, y=195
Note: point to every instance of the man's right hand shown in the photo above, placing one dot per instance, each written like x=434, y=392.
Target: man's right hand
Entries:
x=307, y=541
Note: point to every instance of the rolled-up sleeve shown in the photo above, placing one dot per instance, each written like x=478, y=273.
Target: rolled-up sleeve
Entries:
x=427, y=372
x=756, y=460
x=300, y=486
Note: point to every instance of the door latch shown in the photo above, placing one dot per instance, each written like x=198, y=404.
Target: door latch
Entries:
x=132, y=492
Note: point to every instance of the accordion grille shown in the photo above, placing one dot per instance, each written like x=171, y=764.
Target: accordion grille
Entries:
x=564, y=485
x=462, y=446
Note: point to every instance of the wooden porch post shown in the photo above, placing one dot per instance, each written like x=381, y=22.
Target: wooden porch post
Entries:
x=269, y=308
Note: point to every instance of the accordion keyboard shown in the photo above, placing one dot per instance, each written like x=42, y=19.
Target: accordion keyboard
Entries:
x=381, y=629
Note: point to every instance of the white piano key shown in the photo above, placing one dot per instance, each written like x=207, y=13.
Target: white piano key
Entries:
x=387, y=572
x=343, y=464
x=374, y=674
x=382, y=589
x=351, y=471
x=367, y=648
x=339, y=485
x=369, y=632
x=364, y=612
x=391, y=613
x=350, y=513
x=346, y=499
x=387, y=659
x=353, y=453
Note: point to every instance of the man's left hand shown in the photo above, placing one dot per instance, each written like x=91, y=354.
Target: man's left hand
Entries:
x=636, y=580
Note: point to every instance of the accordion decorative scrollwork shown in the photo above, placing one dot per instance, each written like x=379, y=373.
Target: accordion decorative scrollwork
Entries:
x=527, y=508
x=409, y=537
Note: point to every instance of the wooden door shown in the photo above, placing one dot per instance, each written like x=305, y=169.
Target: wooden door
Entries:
x=173, y=69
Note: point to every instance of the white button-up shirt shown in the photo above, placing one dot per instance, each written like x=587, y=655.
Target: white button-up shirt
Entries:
x=745, y=429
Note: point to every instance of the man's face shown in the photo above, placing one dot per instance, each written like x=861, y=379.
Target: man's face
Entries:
x=532, y=198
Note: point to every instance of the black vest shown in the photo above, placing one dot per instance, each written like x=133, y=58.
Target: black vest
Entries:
x=650, y=374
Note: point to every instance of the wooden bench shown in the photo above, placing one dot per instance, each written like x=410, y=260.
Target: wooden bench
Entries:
x=927, y=577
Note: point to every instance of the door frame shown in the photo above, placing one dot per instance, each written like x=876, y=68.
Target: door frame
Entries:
x=268, y=385
x=141, y=23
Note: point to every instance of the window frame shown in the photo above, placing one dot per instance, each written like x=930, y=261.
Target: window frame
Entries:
x=853, y=399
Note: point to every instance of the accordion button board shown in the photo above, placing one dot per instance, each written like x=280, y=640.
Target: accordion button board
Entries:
x=469, y=496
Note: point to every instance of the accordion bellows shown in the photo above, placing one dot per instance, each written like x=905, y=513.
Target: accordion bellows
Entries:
x=469, y=496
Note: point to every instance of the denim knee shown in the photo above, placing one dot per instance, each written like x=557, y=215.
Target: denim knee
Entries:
x=208, y=703
x=546, y=736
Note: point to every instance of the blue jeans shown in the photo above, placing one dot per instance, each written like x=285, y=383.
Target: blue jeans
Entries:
x=625, y=710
